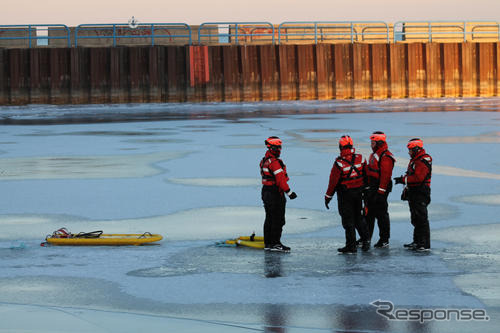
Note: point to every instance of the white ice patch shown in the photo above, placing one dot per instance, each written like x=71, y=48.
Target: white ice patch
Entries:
x=244, y=147
x=493, y=137
x=482, y=199
x=485, y=286
x=216, y=181
x=28, y=288
x=485, y=235
x=477, y=252
x=399, y=211
x=23, y=220
x=70, y=167
x=194, y=224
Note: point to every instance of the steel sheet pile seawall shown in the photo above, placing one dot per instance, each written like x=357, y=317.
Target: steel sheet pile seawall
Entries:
x=231, y=73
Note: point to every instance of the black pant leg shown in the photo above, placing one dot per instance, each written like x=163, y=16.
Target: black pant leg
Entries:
x=383, y=221
x=418, y=202
x=274, y=206
x=348, y=216
x=370, y=222
x=378, y=210
x=280, y=218
x=359, y=220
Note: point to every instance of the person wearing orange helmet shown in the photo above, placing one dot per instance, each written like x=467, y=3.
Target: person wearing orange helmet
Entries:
x=379, y=174
x=274, y=186
x=418, y=193
x=347, y=178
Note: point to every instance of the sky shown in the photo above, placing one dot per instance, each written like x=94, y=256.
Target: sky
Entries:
x=193, y=12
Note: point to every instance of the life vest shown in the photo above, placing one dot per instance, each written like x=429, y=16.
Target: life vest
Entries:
x=268, y=176
x=351, y=171
x=373, y=167
x=427, y=160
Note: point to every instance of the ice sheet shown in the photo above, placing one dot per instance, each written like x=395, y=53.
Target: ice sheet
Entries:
x=477, y=249
x=194, y=179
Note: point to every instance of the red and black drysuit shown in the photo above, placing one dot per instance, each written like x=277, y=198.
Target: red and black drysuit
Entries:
x=274, y=186
x=418, y=183
x=379, y=174
x=347, y=179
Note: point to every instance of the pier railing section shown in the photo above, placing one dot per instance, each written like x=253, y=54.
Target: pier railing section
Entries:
x=333, y=32
x=35, y=35
x=142, y=34
x=246, y=33
x=236, y=33
x=446, y=31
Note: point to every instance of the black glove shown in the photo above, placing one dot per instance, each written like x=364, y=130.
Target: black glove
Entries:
x=327, y=201
x=292, y=195
x=399, y=180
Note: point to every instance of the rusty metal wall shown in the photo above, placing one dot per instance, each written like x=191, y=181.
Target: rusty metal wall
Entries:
x=5, y=77
x=231, y=73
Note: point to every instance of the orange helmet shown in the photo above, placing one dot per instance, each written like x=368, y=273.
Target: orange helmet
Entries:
x=415, y=143
x=345, y=142
x=378, y=136
x=273, y=142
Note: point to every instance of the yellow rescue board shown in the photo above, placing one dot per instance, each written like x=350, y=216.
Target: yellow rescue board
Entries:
x=256, y=243
x=107, y=239
x=250, y=238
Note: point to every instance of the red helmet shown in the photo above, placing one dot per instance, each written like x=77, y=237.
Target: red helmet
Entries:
x=415, y=143
x=378, y=136
x=345, y=142
x=273, y=142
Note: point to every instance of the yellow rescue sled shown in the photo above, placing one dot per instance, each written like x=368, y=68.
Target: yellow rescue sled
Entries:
x=97, y=238
x=256, y=242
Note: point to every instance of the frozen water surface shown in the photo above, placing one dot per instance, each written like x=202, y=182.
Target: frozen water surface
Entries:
x=190, y=172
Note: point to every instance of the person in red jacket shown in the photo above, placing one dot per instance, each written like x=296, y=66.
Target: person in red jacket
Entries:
x=379, y=174
x=418, y=193
x=347, y=178
x=274, y=186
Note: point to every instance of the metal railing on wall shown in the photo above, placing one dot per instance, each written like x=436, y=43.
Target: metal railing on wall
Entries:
x=331, y=31
x=42, y=34
x=143, y=33
x=237, y=33
x=435, y=31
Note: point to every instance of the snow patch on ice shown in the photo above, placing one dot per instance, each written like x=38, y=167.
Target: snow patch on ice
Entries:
x=216, y=181
x=399, y=211
x=482, y=199
x=485, y=286
x=487, y=234
x=80, y=167
x=23, y=220
x=485, y=138
x=193, y=224
x=476, y=252
x=27, y=288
